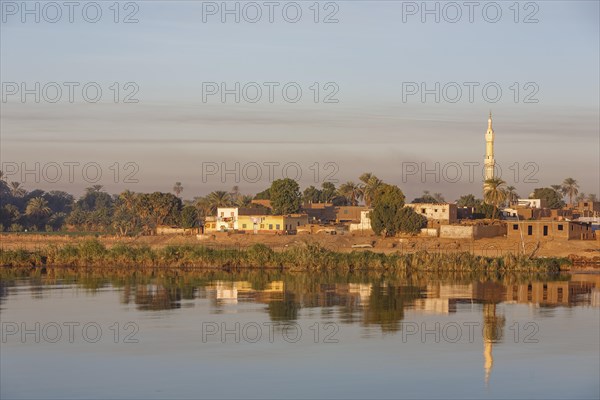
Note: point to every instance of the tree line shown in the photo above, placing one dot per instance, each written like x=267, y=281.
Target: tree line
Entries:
x=130, y=213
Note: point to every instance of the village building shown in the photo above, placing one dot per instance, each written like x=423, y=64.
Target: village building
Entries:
x=319, y=212
x=349, y=213
x=545, y=230
x=364, y=226
x=253, y=220
x=436, y=213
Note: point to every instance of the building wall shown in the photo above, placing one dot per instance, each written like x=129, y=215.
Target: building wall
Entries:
x=349, y=213
x=364, y=226
x=442, y=213
x=540, y=230
x=456, y=232
x=272, y=223
x=471, y=231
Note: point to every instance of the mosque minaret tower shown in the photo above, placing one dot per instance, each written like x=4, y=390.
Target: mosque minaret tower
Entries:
x=489, y=162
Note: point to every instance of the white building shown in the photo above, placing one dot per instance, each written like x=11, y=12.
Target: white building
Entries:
x=364, y=225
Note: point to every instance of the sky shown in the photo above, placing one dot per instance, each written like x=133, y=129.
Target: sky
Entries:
x=381, y=87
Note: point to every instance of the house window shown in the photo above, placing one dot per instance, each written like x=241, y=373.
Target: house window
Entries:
x=529, y=230
x=262, y=226
x=515, y=227
x=545, y=230
x=244, y=226
x=222, y=213
x=560, y=227
x=270, y=226
x=277, y=227
x=422, y=211
x=298, y=223
x=435, y=210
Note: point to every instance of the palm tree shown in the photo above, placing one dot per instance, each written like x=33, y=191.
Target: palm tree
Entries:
x=219, y=198
x=17, y=190
x=178, y=188
x=351, y=191
x=37, y=208
x=570, y=188
x=93, y=189
x=234, y=194
x=369, y=186
x=243, y=201
x=557, y=188
x=202, y=205
x=580, y=197
x=592, y=197
x=494, y=193
x=439, y=198
x=511, y=194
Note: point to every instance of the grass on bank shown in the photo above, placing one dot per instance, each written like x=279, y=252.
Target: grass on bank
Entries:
x=307, y=257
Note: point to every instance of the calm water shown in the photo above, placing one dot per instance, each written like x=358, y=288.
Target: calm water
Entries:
x=155, y=334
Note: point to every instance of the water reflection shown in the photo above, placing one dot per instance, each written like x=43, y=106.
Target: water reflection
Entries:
x=367, y=299
x=376, y=302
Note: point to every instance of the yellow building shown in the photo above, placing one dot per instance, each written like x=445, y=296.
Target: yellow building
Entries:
x=276, y=224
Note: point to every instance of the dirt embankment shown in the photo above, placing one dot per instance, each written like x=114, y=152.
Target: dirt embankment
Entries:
x=588, y=249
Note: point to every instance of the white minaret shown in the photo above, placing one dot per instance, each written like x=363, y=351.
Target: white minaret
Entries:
x=489, y=162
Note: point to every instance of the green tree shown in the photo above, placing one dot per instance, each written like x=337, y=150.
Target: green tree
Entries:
x=285, y=196
x=328, y=192
x=570, y=188
x=386, y=215
x=494, y=193
x=410, y=221
x=551, y=197
x=468, y=200
x=264, y=195
x=426, y=197
x=37, y=210
x=189, y=217
x=311, y=195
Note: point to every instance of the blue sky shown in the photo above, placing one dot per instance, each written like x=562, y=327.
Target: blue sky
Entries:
x=367, y=55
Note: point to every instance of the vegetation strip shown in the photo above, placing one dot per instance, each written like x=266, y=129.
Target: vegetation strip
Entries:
x=307, y=257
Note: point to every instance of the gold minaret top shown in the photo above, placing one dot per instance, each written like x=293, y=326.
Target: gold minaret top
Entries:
x=489, y=162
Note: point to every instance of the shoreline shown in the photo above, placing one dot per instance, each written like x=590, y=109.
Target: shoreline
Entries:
x=303, y=256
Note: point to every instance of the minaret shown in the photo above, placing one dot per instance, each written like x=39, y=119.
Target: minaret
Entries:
x=489, y=162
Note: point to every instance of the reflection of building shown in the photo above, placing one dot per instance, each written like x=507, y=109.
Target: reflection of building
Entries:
x=564, y=293
x=442, y=299
x=226, y=292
